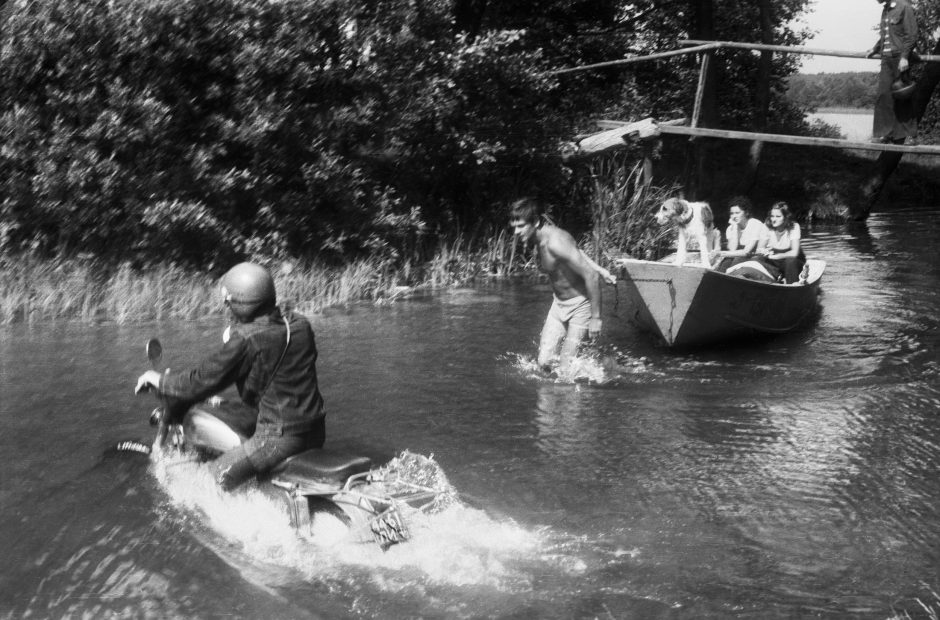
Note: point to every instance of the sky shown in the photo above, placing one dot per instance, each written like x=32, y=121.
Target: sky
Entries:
x=842, y=25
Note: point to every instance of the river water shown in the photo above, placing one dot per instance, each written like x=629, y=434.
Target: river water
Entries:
x=795, y=477
x=855, y=126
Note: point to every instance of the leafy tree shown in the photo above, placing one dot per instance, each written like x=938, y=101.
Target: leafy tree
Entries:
x=195, y=131
x=198, y=131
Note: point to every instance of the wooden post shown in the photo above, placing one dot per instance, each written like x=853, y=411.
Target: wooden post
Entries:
x=699, y=92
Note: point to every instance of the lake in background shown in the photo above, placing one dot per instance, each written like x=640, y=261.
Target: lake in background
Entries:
x=854, y=125
x=786, y=478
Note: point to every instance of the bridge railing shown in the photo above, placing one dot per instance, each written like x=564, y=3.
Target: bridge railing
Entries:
x=706, y=50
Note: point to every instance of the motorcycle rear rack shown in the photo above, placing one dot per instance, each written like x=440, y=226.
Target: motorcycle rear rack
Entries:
x=382, y=518
x=385, y=526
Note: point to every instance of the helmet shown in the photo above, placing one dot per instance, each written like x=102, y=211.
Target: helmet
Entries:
x=248, y=288
x=903, y=87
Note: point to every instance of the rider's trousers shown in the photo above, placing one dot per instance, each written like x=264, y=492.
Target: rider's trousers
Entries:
x=266, y=448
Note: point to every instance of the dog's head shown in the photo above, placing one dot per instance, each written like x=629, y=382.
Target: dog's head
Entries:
x=673, y=209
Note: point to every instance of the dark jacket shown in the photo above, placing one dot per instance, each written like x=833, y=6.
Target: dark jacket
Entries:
x=290, y=403
x=898, y=31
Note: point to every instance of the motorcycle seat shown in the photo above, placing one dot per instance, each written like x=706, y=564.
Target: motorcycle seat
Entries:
x=322, y=465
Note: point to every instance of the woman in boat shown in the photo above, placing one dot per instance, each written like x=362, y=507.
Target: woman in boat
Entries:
x=743, y=234
x=780, y=249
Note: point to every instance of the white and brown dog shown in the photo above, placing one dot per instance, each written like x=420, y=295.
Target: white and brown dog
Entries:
x=693, y=220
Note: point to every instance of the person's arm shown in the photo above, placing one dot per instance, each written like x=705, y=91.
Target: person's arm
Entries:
x=763, y=243
x=608, y=277
x=213, y=374
x=751, y=239
x=733, y=234
x=909, y=26
x=755, y=231
x=568, y=253
x=876, y=49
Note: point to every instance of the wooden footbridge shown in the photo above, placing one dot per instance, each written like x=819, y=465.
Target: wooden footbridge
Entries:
x=617, y=133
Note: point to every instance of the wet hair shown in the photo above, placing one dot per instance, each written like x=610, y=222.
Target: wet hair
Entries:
x=526, y=209
x=784, y=209
x=742, y=202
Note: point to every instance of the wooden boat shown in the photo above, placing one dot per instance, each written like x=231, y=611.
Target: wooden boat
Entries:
x=689, y=306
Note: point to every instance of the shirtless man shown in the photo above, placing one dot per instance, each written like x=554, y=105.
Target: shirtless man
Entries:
x=576, y=309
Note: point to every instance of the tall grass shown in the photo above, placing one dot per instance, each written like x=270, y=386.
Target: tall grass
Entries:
x=623, y=203
x=34, y=289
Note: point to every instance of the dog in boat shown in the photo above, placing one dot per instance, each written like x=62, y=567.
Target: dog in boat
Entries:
x=693, y=220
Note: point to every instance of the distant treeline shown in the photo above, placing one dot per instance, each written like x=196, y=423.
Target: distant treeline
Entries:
x=833, y=90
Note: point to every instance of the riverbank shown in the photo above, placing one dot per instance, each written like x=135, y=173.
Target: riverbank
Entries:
x=87, y=290
x=821, y=183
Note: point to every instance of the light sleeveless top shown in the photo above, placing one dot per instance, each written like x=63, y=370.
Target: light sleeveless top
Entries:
x=753, y=231
x=781, y=241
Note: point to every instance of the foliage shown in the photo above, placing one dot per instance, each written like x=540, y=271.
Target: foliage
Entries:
x=195, y=131
x=199, y=131
x=623, y=202
x=833, y=90
x=857, y=89
x=88, y=290
x=928, y=15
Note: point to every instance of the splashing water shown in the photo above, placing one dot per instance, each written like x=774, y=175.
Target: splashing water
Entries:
x=451, y=543
x=592, y=365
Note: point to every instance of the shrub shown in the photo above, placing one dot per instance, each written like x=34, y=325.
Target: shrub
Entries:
x=198, y=130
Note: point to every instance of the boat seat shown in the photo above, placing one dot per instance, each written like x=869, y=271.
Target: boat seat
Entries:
x=322, y=465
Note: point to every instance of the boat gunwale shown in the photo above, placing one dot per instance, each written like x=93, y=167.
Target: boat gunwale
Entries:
x=817, y=266
x=804, y=296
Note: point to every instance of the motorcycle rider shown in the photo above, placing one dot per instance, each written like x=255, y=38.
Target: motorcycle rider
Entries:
x=271, y=358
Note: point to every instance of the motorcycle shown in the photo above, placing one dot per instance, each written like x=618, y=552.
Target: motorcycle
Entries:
x=373, y=502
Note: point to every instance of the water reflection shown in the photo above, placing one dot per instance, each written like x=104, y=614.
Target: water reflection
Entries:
x=790, y=477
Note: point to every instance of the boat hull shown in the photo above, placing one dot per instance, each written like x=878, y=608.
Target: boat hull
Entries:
x=689, y=306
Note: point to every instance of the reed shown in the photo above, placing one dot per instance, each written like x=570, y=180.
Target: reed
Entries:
x=623, y=203
x=33, y=289
x=36, y=289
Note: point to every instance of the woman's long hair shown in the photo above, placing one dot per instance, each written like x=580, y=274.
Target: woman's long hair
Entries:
x=784, y=209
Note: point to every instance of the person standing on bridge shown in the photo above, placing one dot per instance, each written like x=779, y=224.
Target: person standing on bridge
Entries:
x=894, y=118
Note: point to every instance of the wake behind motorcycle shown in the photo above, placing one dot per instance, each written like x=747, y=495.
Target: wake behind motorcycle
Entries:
x=373, y=502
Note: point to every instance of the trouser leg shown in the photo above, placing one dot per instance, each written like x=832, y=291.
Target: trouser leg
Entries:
x=553, y=332
x=569, y=348
x=792, y=267
x=261, y=453
x=233, y=468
